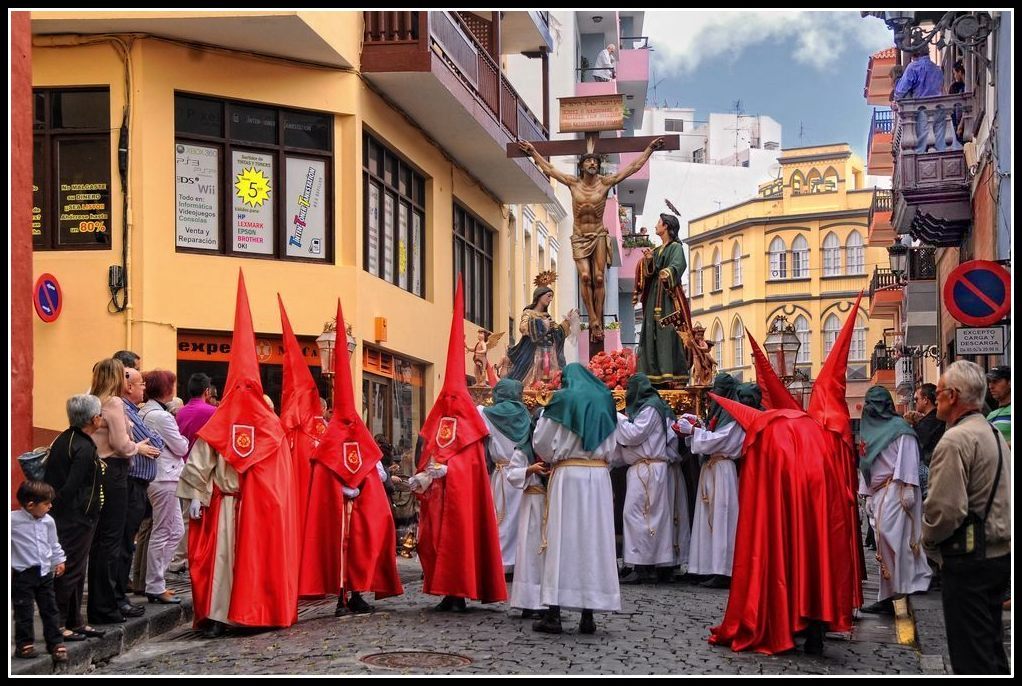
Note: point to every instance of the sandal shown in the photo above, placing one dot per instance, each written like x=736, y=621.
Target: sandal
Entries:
x=89, y=631
x=72, y=635
x=59, y=653
x=26, y=652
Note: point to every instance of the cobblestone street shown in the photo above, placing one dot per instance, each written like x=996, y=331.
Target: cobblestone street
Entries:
x=662, y=630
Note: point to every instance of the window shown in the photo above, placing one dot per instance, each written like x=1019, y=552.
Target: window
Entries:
x=831, y=255
x=71, y=202
x=738, y=341
x=697, y=276
x=799, y=258
x=716, y=269
x=831, y=327
x=805, y=349
x=394, y=218
x=797, y=183
x=718, y=344
x=814, y=181
x=854, y=254
x=778, y=259
x=857, y=351
x=699, y=156
x=830, y=179
x=736, y=265
x=253, y=180
x=674, y=125
x=473, y=259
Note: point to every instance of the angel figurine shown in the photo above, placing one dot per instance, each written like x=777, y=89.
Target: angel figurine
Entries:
x=485, y=342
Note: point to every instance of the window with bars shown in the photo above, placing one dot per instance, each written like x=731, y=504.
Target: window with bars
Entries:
x=473, y=259
x=394, y=218
x=672, y=125
x=253, y=180
x=71, y=203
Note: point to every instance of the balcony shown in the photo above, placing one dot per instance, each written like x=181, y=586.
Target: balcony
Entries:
x=920, y=310
x=931, y=177
x=886, y=292
x=432, y=67
x=882, y=366
x=881, y=231
x=632, y=191
x=633, y=80
x=879, y=84
x=880, y=160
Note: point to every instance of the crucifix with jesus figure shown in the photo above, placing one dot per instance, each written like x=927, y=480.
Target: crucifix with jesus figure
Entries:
x=590, y=239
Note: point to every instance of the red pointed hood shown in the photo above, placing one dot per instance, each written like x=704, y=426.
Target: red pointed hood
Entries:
x=775, y=395
x=827, y=404
x=743, y=414
x=243, y=429
x=348, y=448
x=453, y=422
x=300, y=406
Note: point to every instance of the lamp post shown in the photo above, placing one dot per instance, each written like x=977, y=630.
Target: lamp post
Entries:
x=898, y=255
x=782, y=345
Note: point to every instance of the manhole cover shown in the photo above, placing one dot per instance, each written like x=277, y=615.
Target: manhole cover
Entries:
x=417, y=660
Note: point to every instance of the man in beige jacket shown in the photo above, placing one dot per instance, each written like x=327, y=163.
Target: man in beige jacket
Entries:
x=965, y=477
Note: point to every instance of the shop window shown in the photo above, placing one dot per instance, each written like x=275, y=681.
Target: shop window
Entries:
x=71, y=201
x=253, y=180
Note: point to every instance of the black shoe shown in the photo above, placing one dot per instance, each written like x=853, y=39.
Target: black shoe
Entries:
x=164, y=598
x=358, y=605
x=532, y=614
x=459, y=605
x=587, y=625
x=626, y=571
x=883, y=607
x=633, y=578
x=550, y=624
x=814, y=638
x=717, y=581
x=214, y=629
x=130, y=610
x=445, y=605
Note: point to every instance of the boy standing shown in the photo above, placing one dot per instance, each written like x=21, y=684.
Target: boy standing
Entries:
x=36, y=557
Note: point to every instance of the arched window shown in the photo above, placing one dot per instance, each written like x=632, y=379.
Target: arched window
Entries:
x=778, y=259
x=716, y=269
x=831, y=255
x=857, y=351
x=738, y=341
x=855, y=264
x=814, y=181
x=831, y=327
x=736, y=265
x=697, y=275
x=830, y=180
x=799, y=258
x=805, y=351
x=798, y=183
x=718, y=344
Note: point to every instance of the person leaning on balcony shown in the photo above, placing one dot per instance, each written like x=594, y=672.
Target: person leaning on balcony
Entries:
x=605, y=61
x=970, y=474
x=958, y=87
x=924, y=79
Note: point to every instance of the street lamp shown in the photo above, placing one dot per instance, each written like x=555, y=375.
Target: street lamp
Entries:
x=326, y=342
x=782, y=345
x=898, y=254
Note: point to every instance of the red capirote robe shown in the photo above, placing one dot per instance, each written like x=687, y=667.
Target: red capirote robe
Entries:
x=792, y=555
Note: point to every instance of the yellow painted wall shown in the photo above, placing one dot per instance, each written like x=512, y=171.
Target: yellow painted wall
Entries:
x=753, y=225
x=172, y=291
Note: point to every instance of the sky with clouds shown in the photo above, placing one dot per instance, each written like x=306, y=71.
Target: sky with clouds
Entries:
x=804, y=69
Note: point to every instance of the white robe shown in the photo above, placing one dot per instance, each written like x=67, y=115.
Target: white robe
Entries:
x=580, y=565
x=712, y=548
x=507, y=499
x=528, y=581
x=893, y=478
x=646, y=445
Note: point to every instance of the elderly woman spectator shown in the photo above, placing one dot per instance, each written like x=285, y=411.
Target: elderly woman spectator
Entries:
x=75, y=472
x=107, y=603
x=168, y=524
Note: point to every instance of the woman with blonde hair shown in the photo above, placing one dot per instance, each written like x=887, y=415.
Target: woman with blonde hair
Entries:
x=107, y=602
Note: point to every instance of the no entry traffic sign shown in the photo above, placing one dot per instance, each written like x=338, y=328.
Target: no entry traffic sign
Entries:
x=978, y=293
x=47, y=298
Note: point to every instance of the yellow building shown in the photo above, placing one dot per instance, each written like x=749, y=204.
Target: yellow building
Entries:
x=797, y=250
x=326, y=154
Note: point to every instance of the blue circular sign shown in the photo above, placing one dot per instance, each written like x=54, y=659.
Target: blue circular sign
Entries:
x=978, y=293
x=47, y=298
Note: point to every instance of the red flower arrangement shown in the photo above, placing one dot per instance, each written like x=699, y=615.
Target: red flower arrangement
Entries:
x=614, y=368
x=552, y=385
